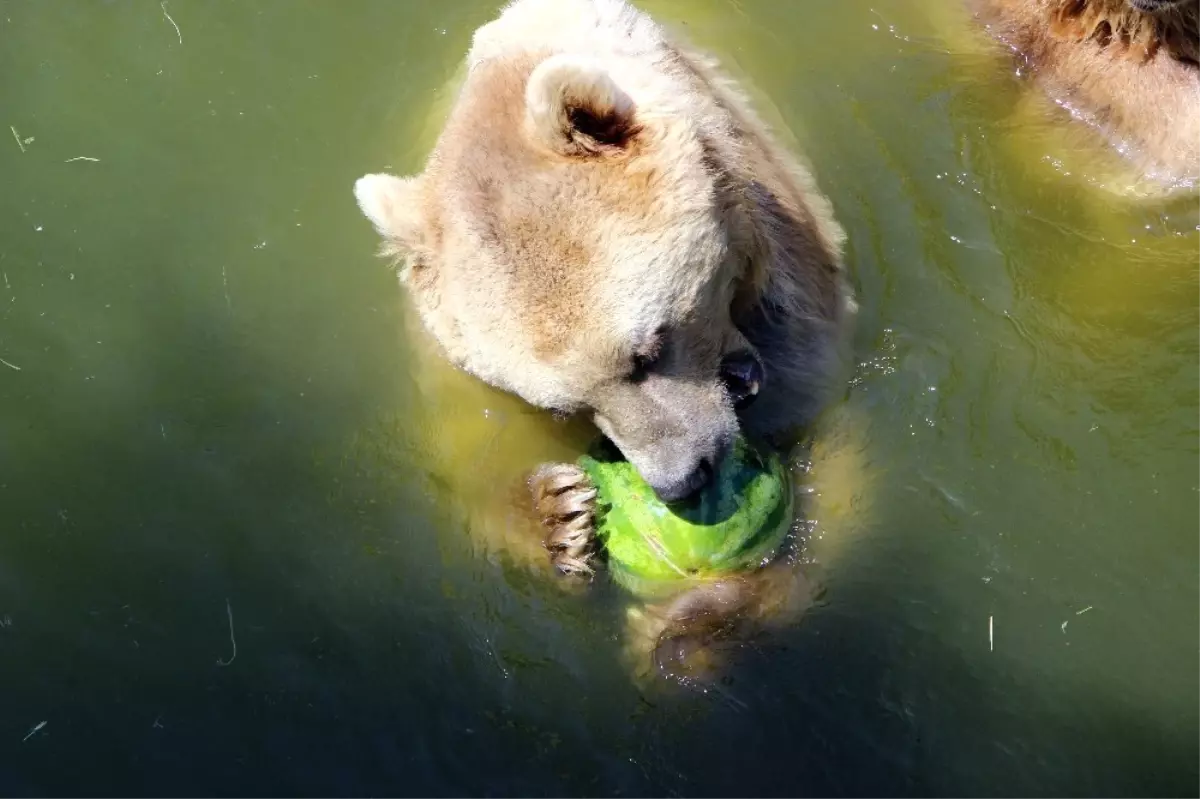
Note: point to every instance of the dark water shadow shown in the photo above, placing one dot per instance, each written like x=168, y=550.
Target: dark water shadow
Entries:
x=202, y=595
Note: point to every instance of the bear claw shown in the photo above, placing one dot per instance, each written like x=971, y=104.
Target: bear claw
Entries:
x=564, y=499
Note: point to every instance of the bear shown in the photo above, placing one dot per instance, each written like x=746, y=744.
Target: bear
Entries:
x=1130, y=68
x=605, y=227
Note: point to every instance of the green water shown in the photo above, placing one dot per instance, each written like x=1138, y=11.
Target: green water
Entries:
x=212, y=422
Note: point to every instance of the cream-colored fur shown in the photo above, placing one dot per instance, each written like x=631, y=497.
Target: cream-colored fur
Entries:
x=604, y=222
x=545, y=254
x=1131, y=73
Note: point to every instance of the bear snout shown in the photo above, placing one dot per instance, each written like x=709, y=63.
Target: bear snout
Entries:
x=685, y=487
x=679, y=470
x=675, y=433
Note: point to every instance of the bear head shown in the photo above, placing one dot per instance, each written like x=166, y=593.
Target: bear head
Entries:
x=578, y=237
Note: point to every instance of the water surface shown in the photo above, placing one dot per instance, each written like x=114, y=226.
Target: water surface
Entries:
x=252, y=537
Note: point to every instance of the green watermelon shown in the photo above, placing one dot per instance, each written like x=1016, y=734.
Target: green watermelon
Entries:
x=736, y=523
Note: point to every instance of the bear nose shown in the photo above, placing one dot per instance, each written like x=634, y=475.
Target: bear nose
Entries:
x=689, y=485
x=743, y=375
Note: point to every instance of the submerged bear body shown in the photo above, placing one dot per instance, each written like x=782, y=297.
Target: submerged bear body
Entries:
x=1131, y=68
x=605, y=227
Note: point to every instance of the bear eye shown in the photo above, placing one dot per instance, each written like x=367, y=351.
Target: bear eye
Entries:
x=644, y=359
x=647, y=356
x=640, y=366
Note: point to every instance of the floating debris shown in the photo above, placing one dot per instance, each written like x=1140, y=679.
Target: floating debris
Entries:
x=232, y=640
x=163, y=6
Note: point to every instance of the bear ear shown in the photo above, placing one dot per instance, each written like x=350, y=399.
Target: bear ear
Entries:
x=574, y=107
x=393, y=206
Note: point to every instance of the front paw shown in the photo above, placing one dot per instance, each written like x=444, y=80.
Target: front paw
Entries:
x=658, y=647
x=565, y=501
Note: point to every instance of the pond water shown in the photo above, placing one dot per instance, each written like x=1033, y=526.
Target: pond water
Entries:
x=252, y=536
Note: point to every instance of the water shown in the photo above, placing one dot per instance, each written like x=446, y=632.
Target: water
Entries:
x=222, y=432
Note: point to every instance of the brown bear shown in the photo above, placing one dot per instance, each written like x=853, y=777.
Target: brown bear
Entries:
x=1129, y=67
x=606, y=227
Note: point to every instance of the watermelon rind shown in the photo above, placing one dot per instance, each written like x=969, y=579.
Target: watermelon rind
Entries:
x=738, y=522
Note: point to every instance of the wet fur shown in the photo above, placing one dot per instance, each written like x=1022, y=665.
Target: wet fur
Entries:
x=1132, y=73
x=572, y=204
x=1127, y=32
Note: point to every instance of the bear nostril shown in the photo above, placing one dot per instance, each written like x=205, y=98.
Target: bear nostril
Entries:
x=686, y=489
x=698, y=480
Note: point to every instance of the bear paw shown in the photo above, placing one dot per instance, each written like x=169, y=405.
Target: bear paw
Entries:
x=694, y=625
x=564, y=499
